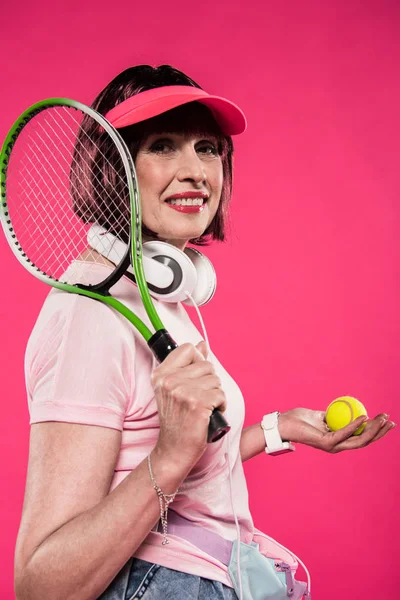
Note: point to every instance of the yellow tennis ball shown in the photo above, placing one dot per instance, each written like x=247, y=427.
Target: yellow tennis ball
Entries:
x=343, y=411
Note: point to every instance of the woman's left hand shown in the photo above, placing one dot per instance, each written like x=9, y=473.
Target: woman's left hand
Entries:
x=309, y=427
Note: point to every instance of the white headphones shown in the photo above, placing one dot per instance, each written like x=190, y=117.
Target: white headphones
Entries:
x=170, y=273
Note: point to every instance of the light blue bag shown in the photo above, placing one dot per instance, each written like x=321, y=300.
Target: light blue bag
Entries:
x=263, y=578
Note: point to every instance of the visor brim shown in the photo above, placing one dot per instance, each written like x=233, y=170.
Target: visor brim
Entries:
x=156, y=101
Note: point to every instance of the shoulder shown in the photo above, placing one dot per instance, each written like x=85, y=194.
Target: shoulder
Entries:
x=74, y=325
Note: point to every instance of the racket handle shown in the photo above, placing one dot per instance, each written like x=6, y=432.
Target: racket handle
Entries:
x=162, y=344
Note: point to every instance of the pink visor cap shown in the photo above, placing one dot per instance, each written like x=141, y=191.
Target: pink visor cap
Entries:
x=154, y=102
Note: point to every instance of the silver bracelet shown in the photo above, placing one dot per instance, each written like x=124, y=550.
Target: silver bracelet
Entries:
x=164, y=499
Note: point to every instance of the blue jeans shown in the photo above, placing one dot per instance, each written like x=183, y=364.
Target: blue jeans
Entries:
x=142, y=580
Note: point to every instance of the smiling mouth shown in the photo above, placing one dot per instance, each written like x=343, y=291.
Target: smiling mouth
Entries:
x=187, y=201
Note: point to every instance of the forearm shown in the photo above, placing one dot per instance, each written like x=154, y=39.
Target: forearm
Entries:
x=79, y=560
x=252, y=441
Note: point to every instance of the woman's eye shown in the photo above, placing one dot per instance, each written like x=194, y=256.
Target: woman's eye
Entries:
x=207, y=149
x=161, y=147
x=166, y=146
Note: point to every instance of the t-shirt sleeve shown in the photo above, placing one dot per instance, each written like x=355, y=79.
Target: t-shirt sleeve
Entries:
x=79, y=363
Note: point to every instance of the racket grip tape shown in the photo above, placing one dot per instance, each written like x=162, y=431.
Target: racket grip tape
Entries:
x=162, y=344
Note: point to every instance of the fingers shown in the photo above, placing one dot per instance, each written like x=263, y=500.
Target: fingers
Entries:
x=185, y=375
x=345, y=432
x=181, y=357
x=172, y=382
x=199, y=369
x=184, y=355
x=383, y=431
x=187, y=391
x=219, y=400
x=374, y=430
x=203, y=348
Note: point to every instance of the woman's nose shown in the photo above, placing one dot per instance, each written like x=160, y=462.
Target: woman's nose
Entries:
x=191, y=167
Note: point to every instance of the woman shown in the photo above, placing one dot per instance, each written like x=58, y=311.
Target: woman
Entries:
x=113, y=443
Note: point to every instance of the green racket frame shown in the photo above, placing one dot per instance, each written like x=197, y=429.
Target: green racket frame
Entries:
x=136, y=232
x=160, y=342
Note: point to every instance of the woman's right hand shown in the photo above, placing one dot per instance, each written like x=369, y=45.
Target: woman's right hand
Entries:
x=187, y=390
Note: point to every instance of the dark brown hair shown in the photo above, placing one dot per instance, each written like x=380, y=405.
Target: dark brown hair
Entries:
x=107, y=204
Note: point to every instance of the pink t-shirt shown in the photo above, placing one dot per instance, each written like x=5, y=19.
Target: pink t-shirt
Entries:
x=87, y=364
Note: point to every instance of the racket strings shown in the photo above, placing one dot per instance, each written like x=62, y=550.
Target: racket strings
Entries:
x=37, y=237
x=98, y=151
x=114, y=216
x=115, y=208
x=68, y=165
x=60, y=180
x=40, y=210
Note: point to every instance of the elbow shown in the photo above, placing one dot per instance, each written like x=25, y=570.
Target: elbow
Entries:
x=21, y=586
x=32, y=578
x=23, y=580
x=32, y=584
x=25, y=586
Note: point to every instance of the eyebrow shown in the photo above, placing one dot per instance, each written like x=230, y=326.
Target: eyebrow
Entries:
x=201, y=135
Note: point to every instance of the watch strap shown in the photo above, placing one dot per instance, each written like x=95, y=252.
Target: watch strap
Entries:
x=273, y=441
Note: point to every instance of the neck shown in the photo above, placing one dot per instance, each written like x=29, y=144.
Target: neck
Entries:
x=180, y=244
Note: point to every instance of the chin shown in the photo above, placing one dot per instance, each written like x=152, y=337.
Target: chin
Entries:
x=183, y=235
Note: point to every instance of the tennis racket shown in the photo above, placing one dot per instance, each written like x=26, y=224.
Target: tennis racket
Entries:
x=63, y=167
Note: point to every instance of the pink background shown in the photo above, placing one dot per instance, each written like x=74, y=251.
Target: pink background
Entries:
x=313, y=236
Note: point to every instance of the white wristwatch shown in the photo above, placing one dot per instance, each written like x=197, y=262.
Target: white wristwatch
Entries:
x=273, y=441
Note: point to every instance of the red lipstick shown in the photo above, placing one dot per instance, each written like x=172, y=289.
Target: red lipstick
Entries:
x=188, y=194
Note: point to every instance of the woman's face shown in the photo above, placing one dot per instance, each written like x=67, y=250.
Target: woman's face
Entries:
x=175, y=172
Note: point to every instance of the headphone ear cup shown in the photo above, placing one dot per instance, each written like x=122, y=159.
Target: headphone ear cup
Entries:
x=184, y=271
x=206, y=278
x=169, y=272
